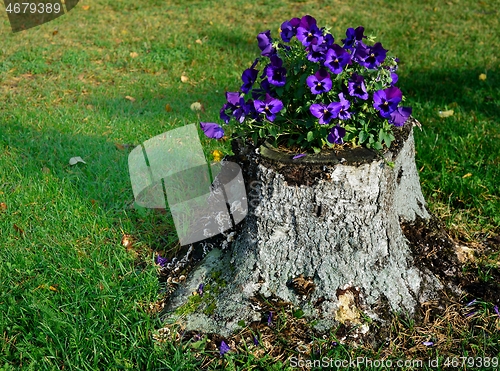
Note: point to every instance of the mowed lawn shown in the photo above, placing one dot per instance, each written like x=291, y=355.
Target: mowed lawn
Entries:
x=111, y=74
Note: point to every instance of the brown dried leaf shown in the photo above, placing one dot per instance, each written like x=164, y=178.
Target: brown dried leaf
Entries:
x=3, y=206
x=119, y=146
x=184, y=78
x=127, y=241
x=128, y=97
x=85, y=7
x=168, y=107
x=134, y=55
x=198, y=41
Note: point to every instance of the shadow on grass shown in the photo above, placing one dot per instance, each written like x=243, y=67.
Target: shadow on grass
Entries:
x=462, y=88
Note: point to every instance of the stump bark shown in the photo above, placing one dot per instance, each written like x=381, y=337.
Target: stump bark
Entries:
x=322, y=233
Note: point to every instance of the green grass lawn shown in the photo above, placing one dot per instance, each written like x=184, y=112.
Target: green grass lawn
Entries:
x=72, y=297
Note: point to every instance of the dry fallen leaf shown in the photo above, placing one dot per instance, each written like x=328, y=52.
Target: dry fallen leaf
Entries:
x=128, y=97
x=134, y=55
x=85, y=7
x=168, y=107
x=55, y=32
x=127, y=241
x=467, y=175
x=196, y=106
x=75, y=160
x=482, y=77
x=3, y=206
x=119, y=146
x=446, y=113
x=198, y=41
x=184, y=78
x=53, y=287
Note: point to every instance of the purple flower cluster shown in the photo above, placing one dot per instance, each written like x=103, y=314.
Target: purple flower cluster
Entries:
x=307, y=73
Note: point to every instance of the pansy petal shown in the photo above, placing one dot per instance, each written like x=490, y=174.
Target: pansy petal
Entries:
x=212, y=130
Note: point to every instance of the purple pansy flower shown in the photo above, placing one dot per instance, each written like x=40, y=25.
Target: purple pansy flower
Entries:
x=300, y=155
x=316, y=52
x=320, y=82
x=374, y=56
x=200, y=289
x=255, y=341
x=353, y=36
x=394, y=77
x=328, y=40
x=270, y=107
x=323, y=112
x=244, y=110
x=276, y=73
x=356, y=86
x=428, y=343
x=223, y=115
x=360, y=53
x=266, y=43
x=495, y=308
x=387, y=100
x=161, y=261
x=339, y=109
x=336, y=135
x=248, y=77
x=307, y=22
x=336, y=58
x=307, y=35
x=289, y=29
x=270, y=319
x=399, y=116
x=212, y=130
x=233, y=100
x=224, y=348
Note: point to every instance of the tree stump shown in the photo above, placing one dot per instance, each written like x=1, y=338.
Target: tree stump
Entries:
x=323, y=233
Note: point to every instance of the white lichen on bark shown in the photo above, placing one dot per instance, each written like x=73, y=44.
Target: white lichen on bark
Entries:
x=343, y=232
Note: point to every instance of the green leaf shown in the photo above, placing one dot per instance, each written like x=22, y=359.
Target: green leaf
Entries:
x=241, y=323
x=262, y=133
x=316, y=149
x=200, y=344
x=310, y=136
x=299, y=92
x=255, y=137
x=363, y=136
x=298, y=313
